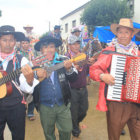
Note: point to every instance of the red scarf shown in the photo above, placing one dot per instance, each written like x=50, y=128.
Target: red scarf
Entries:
x=9, y=56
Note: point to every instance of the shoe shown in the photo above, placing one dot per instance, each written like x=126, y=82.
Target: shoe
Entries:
x=123, y=132
x=76, y=133
x=32, y=118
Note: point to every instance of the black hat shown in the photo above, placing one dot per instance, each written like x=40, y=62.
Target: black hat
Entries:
x=56, y=27
x=7, y=29
x=47, y=39
x=26, y=39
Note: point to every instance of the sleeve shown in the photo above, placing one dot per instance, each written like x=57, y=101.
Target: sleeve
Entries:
x=100, y=66
x=72, y=74
x=23, y=84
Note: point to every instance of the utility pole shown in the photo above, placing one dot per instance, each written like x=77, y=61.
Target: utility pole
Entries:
x=0, y=13
x=49, y=25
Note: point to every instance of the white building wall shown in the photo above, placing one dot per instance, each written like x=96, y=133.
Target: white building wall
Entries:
x=76, y=16
x=136, y=17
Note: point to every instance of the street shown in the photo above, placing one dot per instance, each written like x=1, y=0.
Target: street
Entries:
x=93, y=127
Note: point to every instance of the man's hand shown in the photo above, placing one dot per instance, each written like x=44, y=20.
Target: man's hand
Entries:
x=67, y=64
x=77, y=67
x=91, y=61
x=42, y=74
x=28, y=74
x=108, y=79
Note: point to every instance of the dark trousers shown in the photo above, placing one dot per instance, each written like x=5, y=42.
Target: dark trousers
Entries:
x=15, y=119
x=79, y=107
x=31, y=107
x=120, y=114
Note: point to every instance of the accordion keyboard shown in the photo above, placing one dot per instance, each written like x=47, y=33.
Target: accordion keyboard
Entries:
x=117, y=71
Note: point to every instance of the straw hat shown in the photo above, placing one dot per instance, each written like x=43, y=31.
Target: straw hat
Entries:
x=28, y=26
x=124, y=22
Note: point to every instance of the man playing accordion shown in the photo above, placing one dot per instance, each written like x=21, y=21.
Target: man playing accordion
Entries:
x=118, y=112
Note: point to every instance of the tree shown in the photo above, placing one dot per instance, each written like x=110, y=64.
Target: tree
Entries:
x=0, y=13
x=105, y=12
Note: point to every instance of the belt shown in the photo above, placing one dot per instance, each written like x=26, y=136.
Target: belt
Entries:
x=79, y=88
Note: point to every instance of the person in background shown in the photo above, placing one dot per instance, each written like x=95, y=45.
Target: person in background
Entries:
x=53, y=94
x=12, y=107
x=27, y=52
x=28, y=32
x=56, y=33
x=118, y=113
x=31, y=35
x=79, y=93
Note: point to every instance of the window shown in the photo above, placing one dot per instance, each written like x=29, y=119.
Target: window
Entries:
x=66, y=28
x=74, y=23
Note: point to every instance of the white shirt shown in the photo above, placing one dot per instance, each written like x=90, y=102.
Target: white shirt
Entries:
x=24, y=86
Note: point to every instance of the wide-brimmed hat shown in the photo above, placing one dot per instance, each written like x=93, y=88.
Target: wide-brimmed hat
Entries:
x=26, y=39
x=124, y=22
x=73, y=39
x=75, y=30
x=28, y=26
x=7, y=29
x=47, y=39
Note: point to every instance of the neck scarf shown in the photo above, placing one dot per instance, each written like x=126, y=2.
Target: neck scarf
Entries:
x=130, y=49
x=6, y=56
x=55, y=58
x=54, y=61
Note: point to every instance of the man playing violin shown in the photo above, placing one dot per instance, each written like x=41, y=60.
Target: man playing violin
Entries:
x=12, y=107
x=79, y=93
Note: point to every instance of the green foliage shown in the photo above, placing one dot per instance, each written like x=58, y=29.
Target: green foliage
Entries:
x=105, y=12
x=45, y=34
x=0, y=13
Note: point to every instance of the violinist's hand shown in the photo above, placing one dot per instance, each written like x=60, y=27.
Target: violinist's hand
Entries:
x=107, y=78
x=28, y=74
x=77, y=67
x=41, y=73
x=91, y=60
x=67, y=64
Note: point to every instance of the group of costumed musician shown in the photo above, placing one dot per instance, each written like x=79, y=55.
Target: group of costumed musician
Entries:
x=118, y=113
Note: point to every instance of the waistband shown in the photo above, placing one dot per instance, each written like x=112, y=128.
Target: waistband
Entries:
x=79, y=88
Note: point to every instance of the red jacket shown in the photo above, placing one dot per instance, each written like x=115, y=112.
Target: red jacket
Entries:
x=101, y=66
x=95, y=70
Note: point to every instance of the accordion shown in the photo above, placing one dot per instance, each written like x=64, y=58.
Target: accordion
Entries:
x=126, y=71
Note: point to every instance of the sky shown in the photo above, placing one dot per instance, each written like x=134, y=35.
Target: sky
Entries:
x=37, y=13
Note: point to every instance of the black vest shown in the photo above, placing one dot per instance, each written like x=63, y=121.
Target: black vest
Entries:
x=15, y=98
